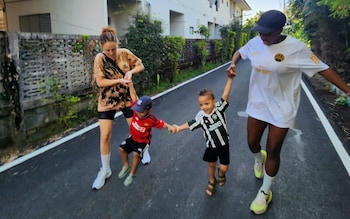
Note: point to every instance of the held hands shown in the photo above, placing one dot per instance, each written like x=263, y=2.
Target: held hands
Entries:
x=231, y=71
x=174, y=129
x=125, y=82
x=128, y=76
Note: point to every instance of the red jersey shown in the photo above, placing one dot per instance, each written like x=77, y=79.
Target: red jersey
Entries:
x=141, y=129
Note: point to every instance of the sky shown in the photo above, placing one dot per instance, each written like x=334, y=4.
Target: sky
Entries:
x=263, y=5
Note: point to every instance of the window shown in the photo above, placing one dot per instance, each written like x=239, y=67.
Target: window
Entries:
x=35, y=23
x=215, y=2
x=191, y=30
x=217, y=5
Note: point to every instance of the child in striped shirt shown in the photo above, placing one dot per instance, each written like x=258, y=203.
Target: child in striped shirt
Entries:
x=211, y=118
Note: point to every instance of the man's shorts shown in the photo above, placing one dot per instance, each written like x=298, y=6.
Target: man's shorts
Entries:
x=222, y=152
x=127, y=112
x=130, y=145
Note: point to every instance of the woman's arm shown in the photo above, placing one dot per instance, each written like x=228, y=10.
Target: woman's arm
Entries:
x=231, y=70
x=335, y=79
x=99, y=76
x=137, y=69
x=103, y=82
x=134, y=61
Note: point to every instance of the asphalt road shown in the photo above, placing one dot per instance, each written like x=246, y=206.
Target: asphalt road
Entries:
x=312, y=181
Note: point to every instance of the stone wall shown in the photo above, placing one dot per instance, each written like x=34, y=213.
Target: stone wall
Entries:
x=41, y=67
x=38, y=66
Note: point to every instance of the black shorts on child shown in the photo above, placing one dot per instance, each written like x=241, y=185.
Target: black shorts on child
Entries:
x=212, y=155
x=129, y=145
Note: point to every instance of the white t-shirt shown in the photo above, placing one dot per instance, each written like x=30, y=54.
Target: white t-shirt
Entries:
x=274, y=89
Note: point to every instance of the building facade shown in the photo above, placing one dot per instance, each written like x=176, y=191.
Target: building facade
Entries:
x=178, y=17
x=53, y=16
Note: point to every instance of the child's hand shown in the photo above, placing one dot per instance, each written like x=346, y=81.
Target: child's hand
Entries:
x=125, y=82
x=175, y=129
x=231, y=71
x=171, y=128
x=130, y=83
x=128, y=76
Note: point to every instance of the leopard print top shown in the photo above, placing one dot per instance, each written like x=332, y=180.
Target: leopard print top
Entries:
x=117, y=96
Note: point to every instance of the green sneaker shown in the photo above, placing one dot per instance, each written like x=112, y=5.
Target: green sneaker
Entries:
x=261, y=202
x=259, y=166
x=129, y=179
x=124, y=171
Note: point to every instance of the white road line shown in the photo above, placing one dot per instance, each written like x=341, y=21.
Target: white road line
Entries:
x=342, y=153
x=338, y=146
x=41, y=150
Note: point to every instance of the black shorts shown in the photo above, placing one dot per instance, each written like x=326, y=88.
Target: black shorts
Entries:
x=127, y=112
x=212, y=155
x=130, y=145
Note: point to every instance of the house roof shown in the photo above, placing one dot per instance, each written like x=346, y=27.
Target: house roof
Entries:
x=243, y=4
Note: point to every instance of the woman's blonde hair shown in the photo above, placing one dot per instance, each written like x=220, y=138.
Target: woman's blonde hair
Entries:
x=108, y=34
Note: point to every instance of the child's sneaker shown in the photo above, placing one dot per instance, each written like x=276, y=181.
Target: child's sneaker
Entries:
x=259, y=166
x=261, y=202
x=101, y=179
x=124, y=171
x=129, y=179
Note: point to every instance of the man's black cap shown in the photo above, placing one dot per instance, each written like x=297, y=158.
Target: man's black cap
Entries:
x=270, y=21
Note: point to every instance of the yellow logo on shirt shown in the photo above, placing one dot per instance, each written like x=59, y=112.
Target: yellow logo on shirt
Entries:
x=279, y=57
x=314, y=59
x=264, y=71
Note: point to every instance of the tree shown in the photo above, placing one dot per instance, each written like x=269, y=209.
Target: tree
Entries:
x=145, y=41
x=173, y=47
x=339, y=8
x=328, y=35
x=203, y=31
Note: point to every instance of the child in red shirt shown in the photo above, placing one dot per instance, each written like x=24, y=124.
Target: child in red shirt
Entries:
x=140, y=134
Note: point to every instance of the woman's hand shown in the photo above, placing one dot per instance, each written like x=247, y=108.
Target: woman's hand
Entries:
x=128, y=76
x=124, y=81
x=231, y=70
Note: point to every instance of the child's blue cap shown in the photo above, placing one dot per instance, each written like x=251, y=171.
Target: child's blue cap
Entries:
x=142, y=104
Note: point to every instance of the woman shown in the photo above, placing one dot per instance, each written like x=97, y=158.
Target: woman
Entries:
x=113, y=70
x=278, y=62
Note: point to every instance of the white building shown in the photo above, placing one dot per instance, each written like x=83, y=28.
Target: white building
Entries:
x=178, y=17
x=56, y=16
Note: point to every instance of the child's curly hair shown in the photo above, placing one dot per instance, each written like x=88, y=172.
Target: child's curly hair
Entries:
x=206, y=92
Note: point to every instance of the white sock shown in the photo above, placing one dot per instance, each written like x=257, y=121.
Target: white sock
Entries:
x=105, y=160
x=258, y=156
x=267, y=182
